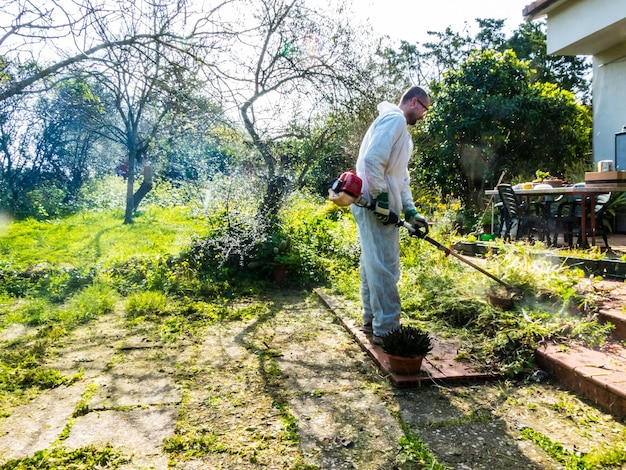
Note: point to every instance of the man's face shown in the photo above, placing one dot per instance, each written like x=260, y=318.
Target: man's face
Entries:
x=416, y=110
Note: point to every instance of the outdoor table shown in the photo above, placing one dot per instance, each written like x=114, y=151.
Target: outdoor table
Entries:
x=592, y=191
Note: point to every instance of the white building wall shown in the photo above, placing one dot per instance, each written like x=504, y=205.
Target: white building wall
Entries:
x=580, y=27
x=609, y=105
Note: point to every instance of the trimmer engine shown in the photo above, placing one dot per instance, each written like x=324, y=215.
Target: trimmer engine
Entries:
x=346, y=189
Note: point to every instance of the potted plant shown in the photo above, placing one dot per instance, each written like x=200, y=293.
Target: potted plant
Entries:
x=406, y=347
x=546, y=178
x=283, y=258
x=486, y=222
x=540, y=176
x=277, y=256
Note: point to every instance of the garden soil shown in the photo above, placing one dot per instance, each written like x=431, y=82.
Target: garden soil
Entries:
x=238, y=385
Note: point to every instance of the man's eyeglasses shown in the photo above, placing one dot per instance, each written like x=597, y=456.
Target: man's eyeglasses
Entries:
x=423, y=105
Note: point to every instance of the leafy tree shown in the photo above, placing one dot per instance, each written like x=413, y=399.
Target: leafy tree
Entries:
x=448, y=49
x=196, y=142
x=569, y=72
x=68, y=142
x=490, y=117
x=445, y=52
x=48, y=145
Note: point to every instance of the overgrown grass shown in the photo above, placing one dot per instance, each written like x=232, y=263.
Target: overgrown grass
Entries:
x=91, y=238
x=172, y=281
x=447, y=297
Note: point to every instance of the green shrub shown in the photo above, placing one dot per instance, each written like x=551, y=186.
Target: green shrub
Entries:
x=323, y=238
x=90, y=303
x=146, y=304
x=34, y=312
x=58, y=284
x=44, y=280
x=45, y=203
x=108, y=193
x=16, y=282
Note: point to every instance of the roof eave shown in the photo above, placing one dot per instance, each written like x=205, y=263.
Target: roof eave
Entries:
x=540, y=8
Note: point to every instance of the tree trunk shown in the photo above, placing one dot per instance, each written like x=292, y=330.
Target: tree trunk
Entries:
x=146, y=185
x=271, y=203
x=128, y=215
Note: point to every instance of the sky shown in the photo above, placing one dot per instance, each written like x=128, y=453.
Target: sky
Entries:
x=411, y=19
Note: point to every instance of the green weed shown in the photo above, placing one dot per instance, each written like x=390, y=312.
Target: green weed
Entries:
x=82, y=408
x=290, y=422
x=59, y=458
x=414, y=452
x=554, y=449
x=149, y=304
x=90, y=303
x=480, y=415
x=567, y=406
x=605, y=457
x=30, y=312
x=189, y=447
x=609, y=457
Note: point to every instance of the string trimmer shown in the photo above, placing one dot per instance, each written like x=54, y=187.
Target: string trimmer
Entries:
x=346, y=190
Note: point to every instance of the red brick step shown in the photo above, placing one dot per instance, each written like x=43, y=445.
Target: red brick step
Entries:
x=617, y=317
x=600, y=376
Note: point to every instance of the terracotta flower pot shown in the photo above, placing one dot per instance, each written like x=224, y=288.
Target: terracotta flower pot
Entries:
x=279, y=272
x=405, y=365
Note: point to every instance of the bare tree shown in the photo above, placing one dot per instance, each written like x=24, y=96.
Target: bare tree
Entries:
x=290, y=62
x=41, y=38
x=38, y=39
x=148, y=82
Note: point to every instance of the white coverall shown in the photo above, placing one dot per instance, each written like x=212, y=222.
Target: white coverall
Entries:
x=383, y=167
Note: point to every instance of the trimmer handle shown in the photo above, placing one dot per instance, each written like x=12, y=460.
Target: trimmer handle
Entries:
x=414, y=231
x=393, y=219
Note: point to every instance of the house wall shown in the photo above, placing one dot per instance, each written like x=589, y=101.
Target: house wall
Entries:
x=586, y=27
x=609, y=104
x=609, y=112
x=596, y=28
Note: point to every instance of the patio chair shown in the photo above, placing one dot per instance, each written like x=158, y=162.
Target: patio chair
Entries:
x=520, y=218
x=568, y=220
x=499, y=214
x=545, y=208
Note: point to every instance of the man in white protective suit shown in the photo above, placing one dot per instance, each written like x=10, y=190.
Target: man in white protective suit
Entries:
x=383, y=167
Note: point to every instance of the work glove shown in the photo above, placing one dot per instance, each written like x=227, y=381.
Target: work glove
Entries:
x=418, y=222
x=381, y=210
